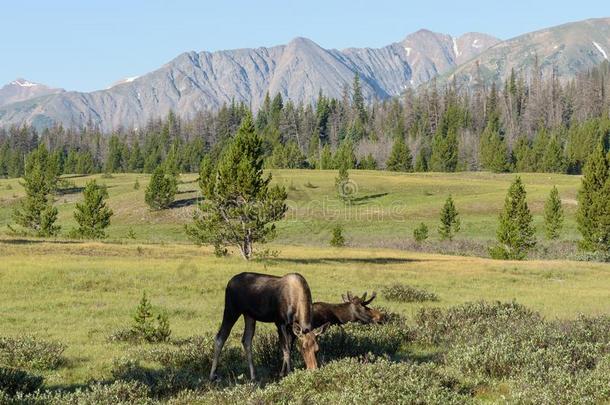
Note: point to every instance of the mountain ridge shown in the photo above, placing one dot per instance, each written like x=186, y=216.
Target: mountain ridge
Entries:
x=195, y=81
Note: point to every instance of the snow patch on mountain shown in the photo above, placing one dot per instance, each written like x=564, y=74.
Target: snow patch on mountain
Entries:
x=456, y=51
x=601, y=50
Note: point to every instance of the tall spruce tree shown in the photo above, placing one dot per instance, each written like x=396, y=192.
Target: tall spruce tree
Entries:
x=450, y=221
x=516, y=233
x=37, y=213
x=553, y=215
x=93, y=214
x=400, y=157
x=593, y=198
x=239, y=206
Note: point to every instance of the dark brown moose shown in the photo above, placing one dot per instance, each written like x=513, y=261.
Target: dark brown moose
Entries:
x=353, y=309
x=285, y=301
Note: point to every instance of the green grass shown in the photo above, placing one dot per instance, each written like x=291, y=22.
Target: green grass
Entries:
x=79, y=293
x=387, y=208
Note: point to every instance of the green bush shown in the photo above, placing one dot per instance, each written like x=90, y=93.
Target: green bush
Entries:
x=147, y=326
x=31, y=353
x=420, y=233
x=116, y=393
x=337, y=239
x=406, y=293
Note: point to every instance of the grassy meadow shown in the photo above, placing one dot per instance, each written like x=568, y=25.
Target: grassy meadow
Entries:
x=386, y=208
x=78, y=293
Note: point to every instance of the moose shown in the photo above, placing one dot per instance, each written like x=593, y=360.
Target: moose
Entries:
x=353, y=309
x=285, y=301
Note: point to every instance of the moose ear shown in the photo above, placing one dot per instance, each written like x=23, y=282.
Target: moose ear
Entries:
x=296, y=329
x=344, y=298
x=363, y=298
x=321, y=329
x=373, y=295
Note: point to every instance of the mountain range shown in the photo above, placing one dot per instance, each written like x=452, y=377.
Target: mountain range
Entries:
x=299, y=70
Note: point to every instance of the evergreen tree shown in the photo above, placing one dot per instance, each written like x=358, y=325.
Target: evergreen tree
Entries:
x=93, y=214
x=450, y=222
x=400, y=157
x=326, y=158
x=161, y=189
x=523, y=155
x=421, y=163
x=552, y=159
x=345, y=156
x=239, y=206
x=593, y=197
x=494, y=150
x=343, y=185
x=368, y=162
x=36, y=212
x=358, y=100
x=553, y=215
x=515, y=234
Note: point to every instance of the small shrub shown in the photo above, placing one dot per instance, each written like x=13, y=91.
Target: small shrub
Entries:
x=147, y=326
x=420, y=233
x=130, y=233
x=30, y=353
x=337, y=239
x=9, y=187
x=407, y=293
x=136, y=185
x=13, y=381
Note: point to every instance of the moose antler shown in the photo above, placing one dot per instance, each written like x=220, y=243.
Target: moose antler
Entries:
x=349, y=295
x=363, y=298
x=373, y=295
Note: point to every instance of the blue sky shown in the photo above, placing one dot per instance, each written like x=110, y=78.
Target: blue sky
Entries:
x=87, y=45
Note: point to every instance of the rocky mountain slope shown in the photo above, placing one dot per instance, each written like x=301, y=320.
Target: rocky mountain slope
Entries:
x=21, y=89
x=568, y=49
x=197, y=81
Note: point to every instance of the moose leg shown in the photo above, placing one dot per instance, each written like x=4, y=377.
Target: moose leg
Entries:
x=228, y=320
x=250, y=325
x=285, y=343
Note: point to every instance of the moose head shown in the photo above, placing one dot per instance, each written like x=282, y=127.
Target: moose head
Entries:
x=360, y=310
x=307, y=343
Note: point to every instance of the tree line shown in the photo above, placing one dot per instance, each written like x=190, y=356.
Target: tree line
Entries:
x=529, y=124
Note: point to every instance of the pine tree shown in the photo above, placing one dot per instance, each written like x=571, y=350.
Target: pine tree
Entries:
x=326, y=158
x=553, y=160
x=343, y=185
x=36, y=212
x=161, y=189
x=93, y=214
x=553, y=215
x=400, y=157
x=450, y=222
x=494, y=151
x=421, y=163
x=239, y=206
x=592, y=201
x=516, y=233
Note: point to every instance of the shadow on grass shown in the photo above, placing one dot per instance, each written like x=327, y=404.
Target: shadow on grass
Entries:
x=70, y=190
x=185, y=202
x=186, y=191
x=345, y=260
x=24, y=241
x=366, y=198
